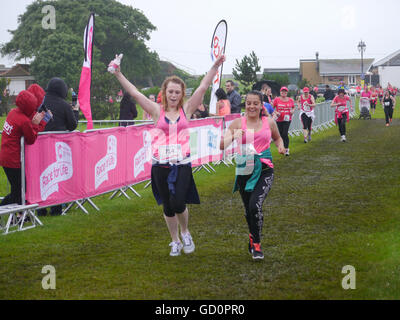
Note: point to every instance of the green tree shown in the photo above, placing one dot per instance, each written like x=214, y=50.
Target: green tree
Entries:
x=246, y=70
x=119, y=29
x=280, y=79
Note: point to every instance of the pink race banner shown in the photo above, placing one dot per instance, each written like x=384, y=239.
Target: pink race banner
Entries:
x=62, y=168
x=53, y=169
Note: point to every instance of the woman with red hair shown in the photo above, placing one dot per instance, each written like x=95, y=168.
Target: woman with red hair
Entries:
x=171, y=174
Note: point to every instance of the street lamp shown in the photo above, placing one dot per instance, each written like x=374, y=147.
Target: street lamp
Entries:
x=361, y=47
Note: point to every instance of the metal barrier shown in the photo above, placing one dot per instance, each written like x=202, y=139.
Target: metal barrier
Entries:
x=324, y=118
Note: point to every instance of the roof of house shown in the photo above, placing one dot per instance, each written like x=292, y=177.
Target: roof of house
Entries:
x=19, y=70
x=343, y=66
x=281, y=70
x=391, y=60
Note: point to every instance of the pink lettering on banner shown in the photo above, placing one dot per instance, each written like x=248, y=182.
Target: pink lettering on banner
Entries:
x=143, y=155
x=61, y=170
x=106, y=164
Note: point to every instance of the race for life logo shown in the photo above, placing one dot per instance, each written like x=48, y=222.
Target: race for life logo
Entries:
x=143, y=155
x=106, y=164
x=61, y=170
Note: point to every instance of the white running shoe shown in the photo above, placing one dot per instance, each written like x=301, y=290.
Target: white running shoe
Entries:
x=188, y=244
x=343, y=139
x=287, y=153
x=176, y=248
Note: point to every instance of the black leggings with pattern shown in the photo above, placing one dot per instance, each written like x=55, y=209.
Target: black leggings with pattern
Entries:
x=253, y=201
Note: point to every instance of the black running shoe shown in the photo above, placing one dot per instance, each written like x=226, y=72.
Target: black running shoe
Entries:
x=256, y=252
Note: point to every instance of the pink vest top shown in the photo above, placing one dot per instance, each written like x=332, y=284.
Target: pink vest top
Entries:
x=304, y=107
x=261, y=139
x=170, y=141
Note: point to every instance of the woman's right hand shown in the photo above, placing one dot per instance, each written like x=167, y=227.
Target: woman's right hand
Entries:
x=237, y=135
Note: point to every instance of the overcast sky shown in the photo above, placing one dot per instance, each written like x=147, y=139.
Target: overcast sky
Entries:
x=280, y=32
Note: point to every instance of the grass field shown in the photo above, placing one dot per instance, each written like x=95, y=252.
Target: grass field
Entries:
x=332, y=204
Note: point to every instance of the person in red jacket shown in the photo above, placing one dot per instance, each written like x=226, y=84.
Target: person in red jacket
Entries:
x=23, y=121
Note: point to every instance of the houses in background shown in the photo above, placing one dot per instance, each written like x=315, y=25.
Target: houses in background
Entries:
x=388, y=70
x=20, y=78
x=333, y=71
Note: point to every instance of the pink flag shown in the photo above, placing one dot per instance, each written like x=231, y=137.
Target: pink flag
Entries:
x=86, y=76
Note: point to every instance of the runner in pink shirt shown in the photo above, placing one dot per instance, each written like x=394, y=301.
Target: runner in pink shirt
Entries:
x=373, y=99
x=171, y=174
x=254, y=166
x=284, y=107
x=307, y=115
x=342, y=114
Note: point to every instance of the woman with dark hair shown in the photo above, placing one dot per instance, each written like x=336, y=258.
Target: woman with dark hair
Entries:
x=223, y=104
x=342, y=114
x=171, y=174
x=254, y=170
x=127, y=110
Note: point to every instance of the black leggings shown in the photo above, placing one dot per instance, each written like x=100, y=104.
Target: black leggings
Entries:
x=388, y=113
x=253, y=201
x=14, y=177
x=172, y=204
x=283, y=127
x=342, y=124
x=307, y=122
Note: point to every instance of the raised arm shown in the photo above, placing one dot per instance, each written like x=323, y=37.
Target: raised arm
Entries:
x=197, y=98
x=149, y=106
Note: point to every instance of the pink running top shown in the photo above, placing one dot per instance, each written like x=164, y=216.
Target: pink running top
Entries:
x=305, y=103
x=261, y=139
x=170, y=141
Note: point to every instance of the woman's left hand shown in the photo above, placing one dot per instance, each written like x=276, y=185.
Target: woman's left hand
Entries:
x=220, y=60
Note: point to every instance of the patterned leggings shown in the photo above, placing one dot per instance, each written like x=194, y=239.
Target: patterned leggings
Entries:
x=253, y=201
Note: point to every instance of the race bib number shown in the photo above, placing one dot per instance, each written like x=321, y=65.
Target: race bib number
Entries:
x=170, y=153
x=387, y=104
x=286, y=117
x=306, y=107
x=341, y=108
